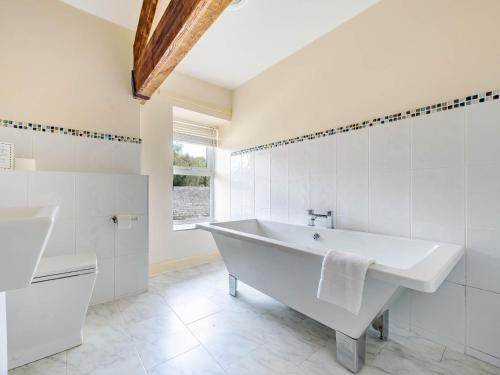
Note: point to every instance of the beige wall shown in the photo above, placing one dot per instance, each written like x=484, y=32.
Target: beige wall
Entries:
x=397, y=55
x=65, y=67
x=186, y=92
x=157, y=159
x=194, y=94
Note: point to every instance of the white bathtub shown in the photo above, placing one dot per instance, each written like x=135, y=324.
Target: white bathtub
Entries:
x=284, y=262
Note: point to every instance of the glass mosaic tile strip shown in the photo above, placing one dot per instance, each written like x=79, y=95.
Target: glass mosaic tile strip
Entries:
x=67, y=131
x=422, y=111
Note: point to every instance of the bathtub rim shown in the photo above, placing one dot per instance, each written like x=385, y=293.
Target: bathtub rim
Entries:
x=427, y=275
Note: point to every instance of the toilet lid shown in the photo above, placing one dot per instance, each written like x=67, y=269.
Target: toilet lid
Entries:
x=56, y=267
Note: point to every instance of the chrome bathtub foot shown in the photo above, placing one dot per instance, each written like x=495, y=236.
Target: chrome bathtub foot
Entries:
x=381, y=324
x=351, y=352
x=233, y=285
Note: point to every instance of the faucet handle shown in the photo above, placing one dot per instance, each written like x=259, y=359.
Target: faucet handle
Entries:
x=310, y=211
x=329, y=213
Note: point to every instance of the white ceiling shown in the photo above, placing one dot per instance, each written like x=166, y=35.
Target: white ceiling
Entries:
x=243, y=43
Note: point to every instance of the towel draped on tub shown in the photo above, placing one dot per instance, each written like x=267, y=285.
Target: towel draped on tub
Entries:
x=343, y=279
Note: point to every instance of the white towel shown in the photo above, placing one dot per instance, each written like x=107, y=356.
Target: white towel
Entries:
x=343, y=279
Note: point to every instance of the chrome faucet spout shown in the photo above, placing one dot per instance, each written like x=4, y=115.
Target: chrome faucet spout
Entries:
x=313, y=216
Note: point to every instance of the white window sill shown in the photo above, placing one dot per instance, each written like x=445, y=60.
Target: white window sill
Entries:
x=181, y=227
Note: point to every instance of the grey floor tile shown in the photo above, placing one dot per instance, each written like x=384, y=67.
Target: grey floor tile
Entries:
x=188, y=324
x=461, y=364
x=53, y=365
x=194, y=362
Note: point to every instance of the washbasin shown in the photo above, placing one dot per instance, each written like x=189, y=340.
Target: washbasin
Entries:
x=24, y=232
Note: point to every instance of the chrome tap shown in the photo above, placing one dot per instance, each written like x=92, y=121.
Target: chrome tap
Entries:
x=313, y=217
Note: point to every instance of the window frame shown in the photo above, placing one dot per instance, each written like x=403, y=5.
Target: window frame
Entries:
x=209, y=171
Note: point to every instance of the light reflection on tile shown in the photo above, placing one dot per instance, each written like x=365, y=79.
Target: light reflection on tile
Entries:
x=415, y=346
x=324, y=361
x=160, y=339
x=143, y=306
x=262, y=362
x=194, y=362
x=401, y=362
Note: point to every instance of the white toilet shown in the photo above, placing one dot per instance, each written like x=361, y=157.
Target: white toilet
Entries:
x=48, y=316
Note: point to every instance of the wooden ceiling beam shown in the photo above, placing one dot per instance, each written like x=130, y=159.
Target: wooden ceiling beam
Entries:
x=180, y=27
x=146, y=18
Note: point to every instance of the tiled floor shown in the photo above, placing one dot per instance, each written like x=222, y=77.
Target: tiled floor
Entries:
x=188, y=324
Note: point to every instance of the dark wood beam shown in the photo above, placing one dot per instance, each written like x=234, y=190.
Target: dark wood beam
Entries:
x=144, y=27
x=180, y=27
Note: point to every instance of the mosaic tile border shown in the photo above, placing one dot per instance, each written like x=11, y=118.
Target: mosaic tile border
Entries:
x=422, y=111
x=72, y=132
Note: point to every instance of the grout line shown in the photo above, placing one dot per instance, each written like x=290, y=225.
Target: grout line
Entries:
x=201, y=318
x=466, y=222
x=287, y=185
x=482, y=289
x=411, y=180
x=168, y=360
x=336, y=181
x=370, y=176
x=206, y=350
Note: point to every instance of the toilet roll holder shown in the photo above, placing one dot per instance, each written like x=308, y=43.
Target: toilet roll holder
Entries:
x=114, y=219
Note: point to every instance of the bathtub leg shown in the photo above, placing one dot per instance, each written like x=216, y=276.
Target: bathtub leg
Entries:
x=381, y=324
x=351, y=352
x=233, y=285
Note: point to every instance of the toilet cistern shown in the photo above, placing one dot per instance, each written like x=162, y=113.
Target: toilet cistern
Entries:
x=313, y=216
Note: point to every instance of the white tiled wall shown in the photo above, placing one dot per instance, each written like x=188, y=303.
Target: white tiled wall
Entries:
x=322, y=168
x=390, y=191
x=352, y=180
x=298, y=181
x=262, y=184
x=87, y=201
x=60, y=152
x=434, y=177
x=279, y=184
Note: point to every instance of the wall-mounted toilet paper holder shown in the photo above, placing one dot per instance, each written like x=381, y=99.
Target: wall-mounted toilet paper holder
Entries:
x=114, y=219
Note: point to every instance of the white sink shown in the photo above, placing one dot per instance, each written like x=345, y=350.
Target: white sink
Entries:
x=24, y=232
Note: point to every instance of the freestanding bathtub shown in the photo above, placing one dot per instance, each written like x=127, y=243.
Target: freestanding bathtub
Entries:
x=284, y=262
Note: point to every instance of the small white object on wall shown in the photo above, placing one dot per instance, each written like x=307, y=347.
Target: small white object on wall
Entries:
x=23, y=164
x=6, y=155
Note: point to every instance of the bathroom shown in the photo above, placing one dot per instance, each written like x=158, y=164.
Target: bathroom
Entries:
x=182, y=223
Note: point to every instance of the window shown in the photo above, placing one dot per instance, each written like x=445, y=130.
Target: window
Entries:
x=193, y=174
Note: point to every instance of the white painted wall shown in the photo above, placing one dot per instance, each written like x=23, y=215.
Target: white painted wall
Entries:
x=356, y=71
x=81, y=77
x=434, y=177
x=222, y=183
x=157, y=162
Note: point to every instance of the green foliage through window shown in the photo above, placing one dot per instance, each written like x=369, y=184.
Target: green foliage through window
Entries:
x=184, y=159
x=185, y=180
